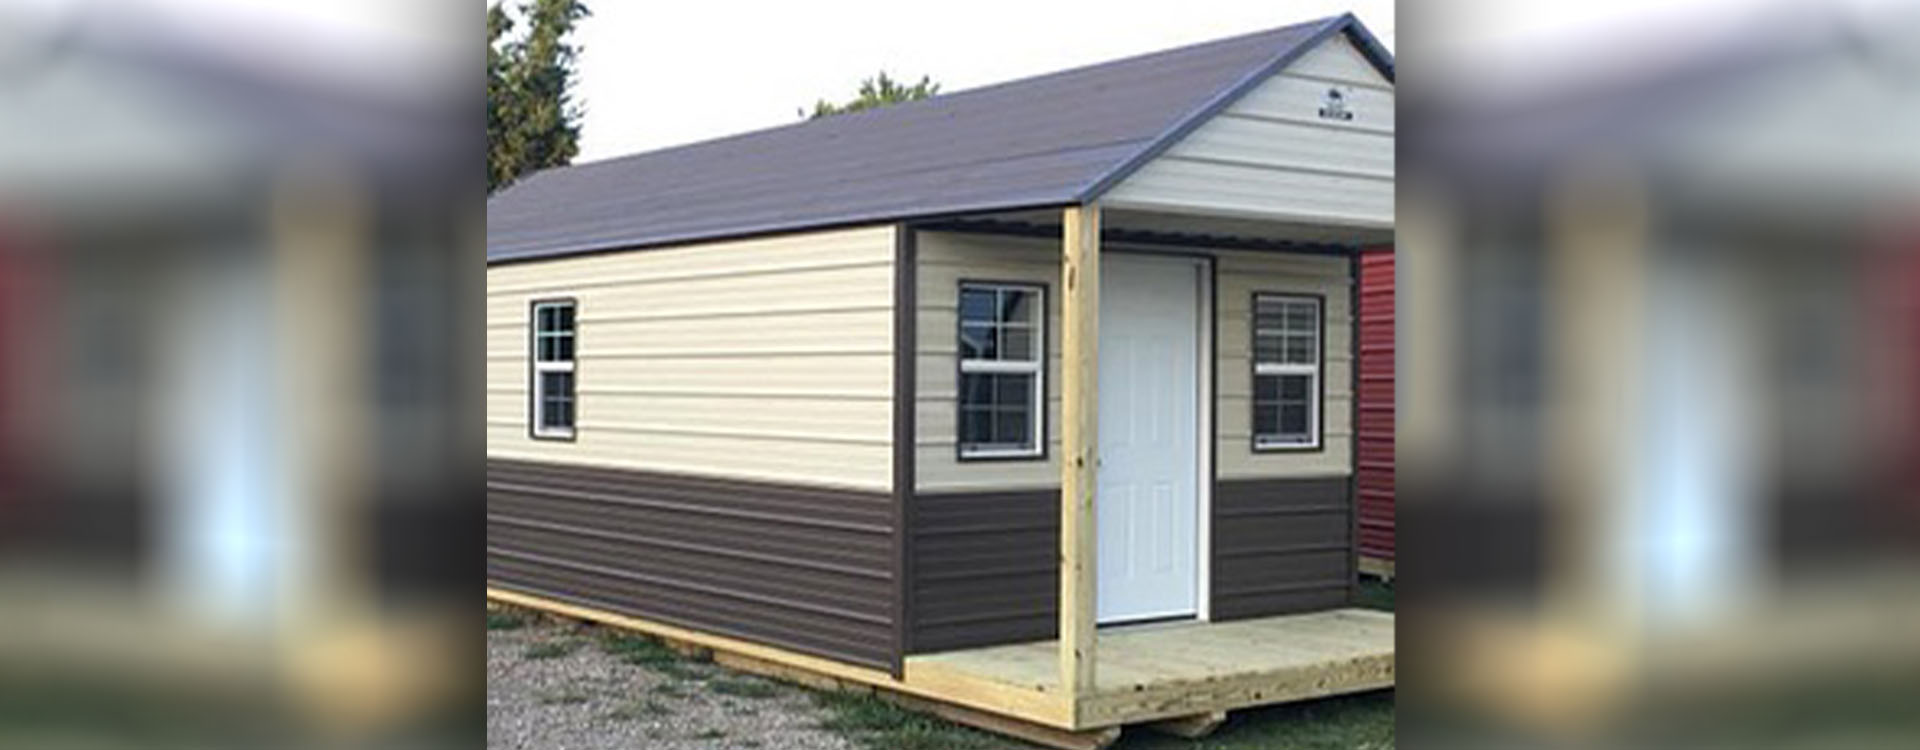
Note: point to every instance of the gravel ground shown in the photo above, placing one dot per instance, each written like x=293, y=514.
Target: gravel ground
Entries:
x=555, y=685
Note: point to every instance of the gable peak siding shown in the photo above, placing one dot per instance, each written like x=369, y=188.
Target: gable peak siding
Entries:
x=1270, y=154
x=765, y=359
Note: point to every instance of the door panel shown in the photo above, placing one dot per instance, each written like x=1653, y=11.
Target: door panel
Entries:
x=1148, y=500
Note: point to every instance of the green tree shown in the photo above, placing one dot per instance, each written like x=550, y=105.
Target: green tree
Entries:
x=875, y=92
x=532, y=120
x=500, y=151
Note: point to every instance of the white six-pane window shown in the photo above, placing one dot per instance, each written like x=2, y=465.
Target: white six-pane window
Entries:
x=553, y=345
x=1286, y=371
x=1002, y=363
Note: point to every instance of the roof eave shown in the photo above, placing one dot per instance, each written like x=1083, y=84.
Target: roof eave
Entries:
x=747, y=231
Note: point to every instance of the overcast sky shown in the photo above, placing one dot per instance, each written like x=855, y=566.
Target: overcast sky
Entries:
x=656, y=74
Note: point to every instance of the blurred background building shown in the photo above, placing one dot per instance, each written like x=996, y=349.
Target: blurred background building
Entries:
x=238, y=252
x=1657, y=379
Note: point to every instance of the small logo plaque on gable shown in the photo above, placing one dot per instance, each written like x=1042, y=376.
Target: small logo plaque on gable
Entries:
x=1333, y=106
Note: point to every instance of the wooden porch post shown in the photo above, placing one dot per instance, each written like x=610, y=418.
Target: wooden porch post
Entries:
x=1079, y=441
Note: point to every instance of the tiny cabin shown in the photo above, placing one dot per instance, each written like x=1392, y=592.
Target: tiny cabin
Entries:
x=1033, y=403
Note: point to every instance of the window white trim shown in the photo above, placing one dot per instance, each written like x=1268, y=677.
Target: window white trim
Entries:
x=536, y=389
x=1316, y=394
x=1036, y=367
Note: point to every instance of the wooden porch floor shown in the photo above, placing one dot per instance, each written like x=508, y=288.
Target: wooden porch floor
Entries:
x=1153, y=672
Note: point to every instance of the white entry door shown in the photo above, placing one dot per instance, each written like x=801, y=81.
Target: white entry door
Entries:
x=1148, y=502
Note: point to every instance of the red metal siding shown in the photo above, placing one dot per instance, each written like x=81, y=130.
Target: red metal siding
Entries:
x=1374, y=480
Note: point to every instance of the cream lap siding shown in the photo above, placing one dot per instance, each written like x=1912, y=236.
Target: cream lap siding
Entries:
x=947, y=258
x=1241, y=274
x=944, y=260
x=1271, y=155
x=764, y=359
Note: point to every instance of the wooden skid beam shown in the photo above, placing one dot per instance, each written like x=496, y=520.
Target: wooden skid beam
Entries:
x=1191, y=727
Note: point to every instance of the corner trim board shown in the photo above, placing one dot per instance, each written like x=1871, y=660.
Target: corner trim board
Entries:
x=906, y=312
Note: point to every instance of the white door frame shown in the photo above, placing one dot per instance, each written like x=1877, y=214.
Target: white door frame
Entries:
x=1208, y=439
x=1205, y=267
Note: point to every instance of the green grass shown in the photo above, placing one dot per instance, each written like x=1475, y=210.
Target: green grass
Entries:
x=647, y=652
x=743, y=687
x=878, y=725
x=505, y=621
x=1376, y=595
x=669, y=690
x=551, y=649
x=564, y=698
x=709, y=734
x=641, y=709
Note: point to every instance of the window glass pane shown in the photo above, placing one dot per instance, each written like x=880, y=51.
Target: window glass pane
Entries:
x=556, y=399
x=1293, y=419
x=976, y=305
x=1266, y=348
x=1016, y=343
x=976, y=341
x=553, y=333
x=1017, y=306
x=1267, y=309
x=1266, y=387
x=976, y=426
x=1299, y=350
x=1010, y=427
x=996, y=411
x=1300, y=317
x=1265, y=420
x=1013, y=390
x=976, y=389
x=1294, y=387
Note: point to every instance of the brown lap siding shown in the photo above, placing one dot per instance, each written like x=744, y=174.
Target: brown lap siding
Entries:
x=985, y=568
x=803, y=568
x=1280, y=546
x=985, y=564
